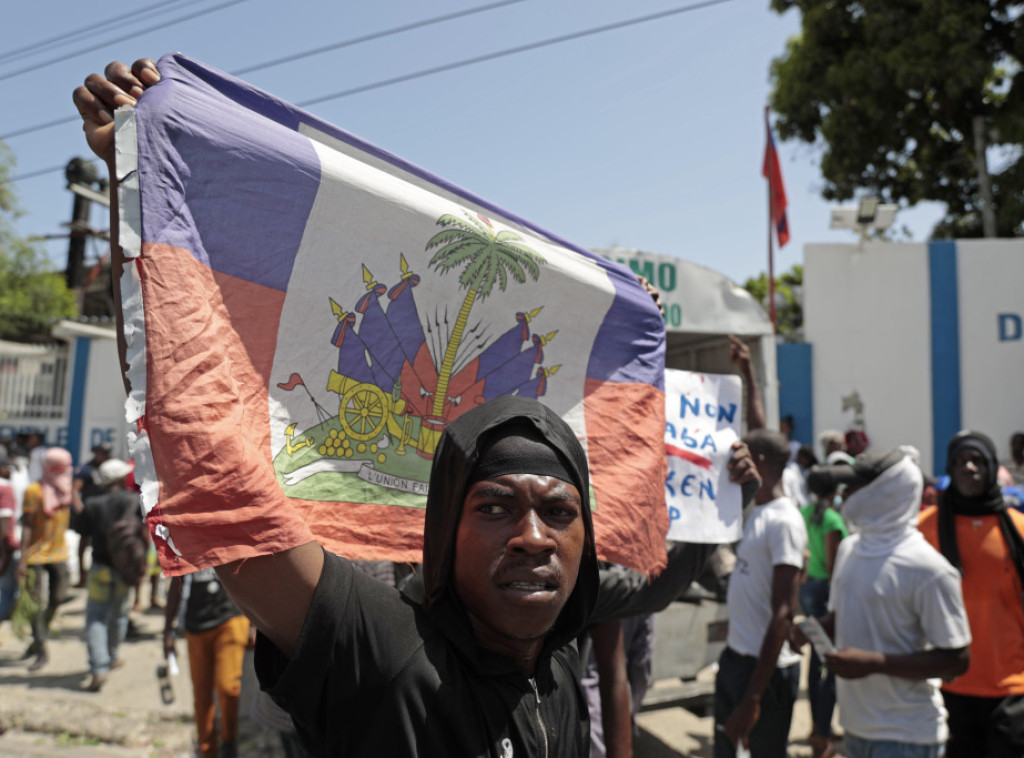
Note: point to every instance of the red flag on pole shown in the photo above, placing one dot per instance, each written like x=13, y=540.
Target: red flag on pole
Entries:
x=776, y=191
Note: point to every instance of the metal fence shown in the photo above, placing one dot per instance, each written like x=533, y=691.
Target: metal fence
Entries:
x=33, y=381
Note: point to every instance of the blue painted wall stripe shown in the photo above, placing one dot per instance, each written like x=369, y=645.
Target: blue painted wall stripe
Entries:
x=945, y=323
x=76, y=408
x=796, y=396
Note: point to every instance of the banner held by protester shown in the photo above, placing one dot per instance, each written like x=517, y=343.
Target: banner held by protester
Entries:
x=702, y=421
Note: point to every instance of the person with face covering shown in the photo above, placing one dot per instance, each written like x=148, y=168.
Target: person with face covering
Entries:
x=46, y=512
x=897, y=615
x=981, y=537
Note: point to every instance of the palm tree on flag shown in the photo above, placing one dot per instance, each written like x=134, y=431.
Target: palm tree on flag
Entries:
x=488, y=258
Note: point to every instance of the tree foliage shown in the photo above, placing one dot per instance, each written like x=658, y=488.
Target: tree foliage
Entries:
x=889, y=90
x=32, y=296
x=789, y=308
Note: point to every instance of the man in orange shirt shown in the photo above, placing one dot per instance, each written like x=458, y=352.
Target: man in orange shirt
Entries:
x=982, y=537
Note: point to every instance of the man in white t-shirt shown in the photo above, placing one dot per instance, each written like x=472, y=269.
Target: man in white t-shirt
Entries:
x=897, y=614
x=758, y=674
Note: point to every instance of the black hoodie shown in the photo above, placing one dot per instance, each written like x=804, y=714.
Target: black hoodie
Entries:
x=376, y=674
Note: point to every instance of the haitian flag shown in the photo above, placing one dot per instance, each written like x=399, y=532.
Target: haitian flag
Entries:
x=771, y=171
x=304, y=313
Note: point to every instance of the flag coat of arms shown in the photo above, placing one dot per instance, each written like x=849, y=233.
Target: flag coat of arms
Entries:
x=304, y=313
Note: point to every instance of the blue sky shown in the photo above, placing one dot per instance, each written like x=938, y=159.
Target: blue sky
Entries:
x=649, y=136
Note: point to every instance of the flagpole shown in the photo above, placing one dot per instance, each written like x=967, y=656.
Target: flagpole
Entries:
x=771, y=264
x=771, y=252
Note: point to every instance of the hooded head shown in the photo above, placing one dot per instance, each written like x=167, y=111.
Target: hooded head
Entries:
x=885, y=496
x=57, y=479
x=507, y=436
x=973, y=474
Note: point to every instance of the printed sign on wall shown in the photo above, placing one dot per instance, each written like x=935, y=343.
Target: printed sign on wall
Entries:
x=702, y=420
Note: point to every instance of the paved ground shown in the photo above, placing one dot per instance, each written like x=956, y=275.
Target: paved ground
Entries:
x=48, y=714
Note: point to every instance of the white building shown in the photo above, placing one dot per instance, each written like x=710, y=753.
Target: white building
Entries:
x=927, y=338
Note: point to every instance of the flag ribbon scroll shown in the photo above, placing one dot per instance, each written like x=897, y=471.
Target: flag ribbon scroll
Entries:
x=304, y=313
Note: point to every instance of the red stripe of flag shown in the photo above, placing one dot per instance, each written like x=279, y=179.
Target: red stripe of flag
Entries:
x=777, y=191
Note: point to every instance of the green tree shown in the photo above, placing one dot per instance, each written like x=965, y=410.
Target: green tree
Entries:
x=789, y=309
x=32, y=296
x=489, y=258
x=889, y=91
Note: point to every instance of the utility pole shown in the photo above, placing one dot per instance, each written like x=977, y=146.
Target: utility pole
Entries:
x=79, y=172
x=988, y=213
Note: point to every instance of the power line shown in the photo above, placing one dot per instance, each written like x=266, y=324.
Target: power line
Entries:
x=82, y=51
x=455, y=64
x=39, y=127
x=40, y=45
x=372, y=36
x=297, y=56
x=509, y=51
x=33, y=174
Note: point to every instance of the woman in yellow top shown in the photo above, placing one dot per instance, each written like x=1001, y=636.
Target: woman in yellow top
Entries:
x=46, y=512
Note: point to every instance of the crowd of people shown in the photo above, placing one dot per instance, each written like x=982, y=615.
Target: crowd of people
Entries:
x=52, y=513
x=917, y=583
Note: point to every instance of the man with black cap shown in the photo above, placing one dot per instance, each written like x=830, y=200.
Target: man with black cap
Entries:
x=898, y=618
x=484, y=666
x=981, y=537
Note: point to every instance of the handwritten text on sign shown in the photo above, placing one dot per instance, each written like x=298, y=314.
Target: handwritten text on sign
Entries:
x=702, y=420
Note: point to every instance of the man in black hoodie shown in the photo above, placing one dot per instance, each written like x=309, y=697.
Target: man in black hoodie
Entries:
x=484, y=666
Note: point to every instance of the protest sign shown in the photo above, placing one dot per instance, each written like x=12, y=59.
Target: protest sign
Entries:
x=702, y=420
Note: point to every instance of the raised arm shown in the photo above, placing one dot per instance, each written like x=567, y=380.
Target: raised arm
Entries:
x=628, y=593
x=274, y=591
x=96, y=101
x=739, y=354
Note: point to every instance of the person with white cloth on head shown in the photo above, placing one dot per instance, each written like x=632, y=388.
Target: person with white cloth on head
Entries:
x=897, y=614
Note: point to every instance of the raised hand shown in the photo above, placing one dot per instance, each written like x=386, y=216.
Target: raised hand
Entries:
x=97, y=99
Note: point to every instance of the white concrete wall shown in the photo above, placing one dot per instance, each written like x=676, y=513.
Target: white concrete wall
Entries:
x=104, y=416
x=991, y=292
x=867, y=315
x=102, y=404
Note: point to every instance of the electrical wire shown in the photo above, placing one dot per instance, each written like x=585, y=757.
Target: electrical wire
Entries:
x=105, y=43
x=296, y=56
x=462, y=63
x=372, y=36
x=509, y=51
x=120, y=20
x=32, y=174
